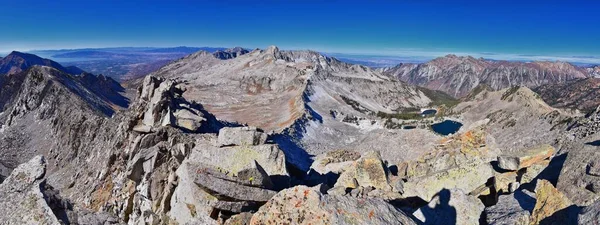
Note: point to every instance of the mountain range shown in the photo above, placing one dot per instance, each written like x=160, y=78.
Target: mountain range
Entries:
x=271, y=136
x=458, y=75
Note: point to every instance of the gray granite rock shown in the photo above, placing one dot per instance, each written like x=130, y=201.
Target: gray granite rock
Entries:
x=512, y=209
x=241, y=136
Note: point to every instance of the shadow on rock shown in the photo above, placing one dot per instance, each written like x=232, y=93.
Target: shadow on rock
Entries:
x=550, y=173
x=442, y=213
x=594, y=143
x=564, y=216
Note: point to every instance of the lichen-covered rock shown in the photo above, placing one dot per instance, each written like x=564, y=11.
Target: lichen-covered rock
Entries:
x=513, y=209
x=236, y=158
x=502, y=181
x=239, y=219
x=256, y=176
x=368, y=171
x=552, y=206
x=304, y=205
x=467, y=177
x=241, y=136
x=225, y=187
x=451, y=207
x=524, y=159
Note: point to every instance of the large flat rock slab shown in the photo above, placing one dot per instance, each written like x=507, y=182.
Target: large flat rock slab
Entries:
x=525, y=158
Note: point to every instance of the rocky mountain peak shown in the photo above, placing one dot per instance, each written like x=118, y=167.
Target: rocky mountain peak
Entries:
x=230, y=53
x=272, y=49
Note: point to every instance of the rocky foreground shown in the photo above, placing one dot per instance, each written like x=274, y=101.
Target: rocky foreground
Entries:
x=279, y=137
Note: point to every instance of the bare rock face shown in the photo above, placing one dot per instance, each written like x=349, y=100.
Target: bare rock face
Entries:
x=525, y=158
x=22, y=200
x=512, y=209
x=590, y=214
x=578, y=178
x=303, y=205
x=241, y=136
x=451, y=207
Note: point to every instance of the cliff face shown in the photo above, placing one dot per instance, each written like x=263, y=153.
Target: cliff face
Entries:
x=457, y=76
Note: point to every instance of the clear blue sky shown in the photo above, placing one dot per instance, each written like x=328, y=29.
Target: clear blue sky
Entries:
x=551, y=27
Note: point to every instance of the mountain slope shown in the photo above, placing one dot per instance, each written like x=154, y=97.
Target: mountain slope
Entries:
x=43, y=110
x=16, y=62
x=594, y=71
x=265, y=88
x=516, y=118
x=458, y=75
x=582, y=94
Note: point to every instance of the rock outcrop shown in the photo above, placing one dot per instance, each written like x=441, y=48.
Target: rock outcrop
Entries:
x=303, y=205
x=368, y=171
x=166, y=107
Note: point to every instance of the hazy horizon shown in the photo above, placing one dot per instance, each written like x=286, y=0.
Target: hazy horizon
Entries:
x=374, y=58
x=512, y=30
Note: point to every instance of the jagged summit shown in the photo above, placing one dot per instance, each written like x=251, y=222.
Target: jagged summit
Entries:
x=230, y=53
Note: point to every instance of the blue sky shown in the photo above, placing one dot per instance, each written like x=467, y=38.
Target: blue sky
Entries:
x=411, y=27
